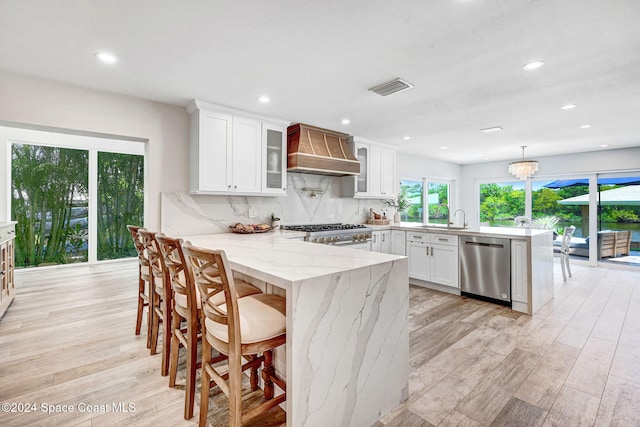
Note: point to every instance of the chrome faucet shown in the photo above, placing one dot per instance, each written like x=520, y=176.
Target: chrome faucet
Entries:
x=464, y=217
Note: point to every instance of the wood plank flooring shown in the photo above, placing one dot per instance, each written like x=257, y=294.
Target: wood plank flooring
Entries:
x=68, y=340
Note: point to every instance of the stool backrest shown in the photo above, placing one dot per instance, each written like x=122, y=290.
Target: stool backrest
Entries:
x=150, y=245
x=184, y=296
x=137, y=242
x=212, y=274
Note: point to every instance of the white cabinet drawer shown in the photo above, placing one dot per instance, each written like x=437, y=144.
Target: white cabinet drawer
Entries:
x=444, y=239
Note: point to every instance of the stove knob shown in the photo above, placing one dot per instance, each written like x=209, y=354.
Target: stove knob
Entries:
x=321, y=240
x=336, y=239
x=367, y=236
x=314, y=241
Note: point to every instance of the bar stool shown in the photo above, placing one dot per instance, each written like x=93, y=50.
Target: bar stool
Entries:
x=143, y=280
x=249, y=327
x=186, y=307
x=160, y=299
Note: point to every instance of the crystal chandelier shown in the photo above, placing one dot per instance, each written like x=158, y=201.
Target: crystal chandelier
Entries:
x=523, y=169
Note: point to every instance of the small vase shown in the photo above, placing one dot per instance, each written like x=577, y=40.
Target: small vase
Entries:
x=275, y=225
x=396, y=217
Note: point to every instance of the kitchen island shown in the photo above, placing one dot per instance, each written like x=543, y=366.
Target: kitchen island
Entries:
x=347, y=351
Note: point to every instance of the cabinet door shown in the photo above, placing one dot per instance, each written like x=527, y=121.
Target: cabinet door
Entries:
x=274, y=160
x=213, y=156
x=362, y=180
x=398, y=245
x=388, y=181
x=376, y=239
x=385, y=241
x=375, y=171
x=444, y=265
x=419, y=267
x=247, y=155
x=519, y=273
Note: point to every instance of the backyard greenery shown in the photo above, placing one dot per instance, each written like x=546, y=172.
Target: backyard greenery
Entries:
x=501, y=203
x=49, y=199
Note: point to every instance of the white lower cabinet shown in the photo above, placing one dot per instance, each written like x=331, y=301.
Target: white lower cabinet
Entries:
x=433, y=258
x=519, y=274
x=381, y=241
x=398, y=242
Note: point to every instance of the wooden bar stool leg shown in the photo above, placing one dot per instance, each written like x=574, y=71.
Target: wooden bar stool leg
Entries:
x=192, y=356
x=175, y=350
x=166, y=337
x=254, y=376
x=268, y=372
x=205, y=384
x=155, y=321
x=140, y=301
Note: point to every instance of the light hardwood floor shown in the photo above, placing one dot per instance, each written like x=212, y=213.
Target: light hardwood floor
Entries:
x=68, y=340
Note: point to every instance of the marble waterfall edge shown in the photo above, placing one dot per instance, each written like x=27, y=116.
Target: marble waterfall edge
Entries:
x=356, y=359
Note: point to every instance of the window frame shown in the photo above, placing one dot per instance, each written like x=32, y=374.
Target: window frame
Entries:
x=92, y=143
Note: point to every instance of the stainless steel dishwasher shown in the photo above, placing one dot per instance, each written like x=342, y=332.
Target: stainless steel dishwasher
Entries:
x=485, y=268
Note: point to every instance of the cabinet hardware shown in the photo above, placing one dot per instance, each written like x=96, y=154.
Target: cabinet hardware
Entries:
x=431, y=250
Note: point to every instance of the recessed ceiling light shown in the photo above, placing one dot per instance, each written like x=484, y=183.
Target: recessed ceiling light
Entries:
x=604, y=145
x=585, y=126
x=406, y=138
x=444, y=147
x=264, y=99
x=106, y=57
x=493, y=129
x=533, y=65
x=568, y=107
x=346, y=121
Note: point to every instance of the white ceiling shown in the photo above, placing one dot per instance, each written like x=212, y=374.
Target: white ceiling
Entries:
x=316, y=60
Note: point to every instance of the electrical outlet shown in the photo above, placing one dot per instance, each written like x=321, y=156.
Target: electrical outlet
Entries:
x=252, y=213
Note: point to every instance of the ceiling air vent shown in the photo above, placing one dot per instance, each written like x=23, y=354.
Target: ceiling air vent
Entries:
x=394, y=86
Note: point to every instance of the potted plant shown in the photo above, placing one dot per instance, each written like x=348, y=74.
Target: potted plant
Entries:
x=275, y=222
x=400, y=204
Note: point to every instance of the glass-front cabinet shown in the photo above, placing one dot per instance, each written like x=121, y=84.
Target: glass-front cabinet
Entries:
x=274, y=180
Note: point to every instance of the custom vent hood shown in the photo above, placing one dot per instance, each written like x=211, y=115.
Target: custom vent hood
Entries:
x=319, y=151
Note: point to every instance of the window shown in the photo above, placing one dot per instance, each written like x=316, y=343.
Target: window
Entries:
x=501, y=203
x=73, y=196
x=437, y=200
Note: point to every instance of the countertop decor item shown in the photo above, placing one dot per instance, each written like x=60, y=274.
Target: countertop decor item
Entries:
x=275, y=222
x=400, y=203
x=249, y=228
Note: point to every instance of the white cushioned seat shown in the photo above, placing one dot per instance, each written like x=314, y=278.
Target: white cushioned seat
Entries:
x=262, y=317
x=243, y=289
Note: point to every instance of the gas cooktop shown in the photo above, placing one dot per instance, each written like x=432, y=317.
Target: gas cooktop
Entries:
x=315, y=228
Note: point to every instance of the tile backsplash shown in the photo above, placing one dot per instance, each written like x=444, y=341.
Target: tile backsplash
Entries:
x=184, y=214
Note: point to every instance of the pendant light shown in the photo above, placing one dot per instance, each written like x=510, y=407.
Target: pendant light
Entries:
x=523, y=169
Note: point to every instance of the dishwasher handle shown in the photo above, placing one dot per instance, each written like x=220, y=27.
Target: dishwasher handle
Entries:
x=487, y=245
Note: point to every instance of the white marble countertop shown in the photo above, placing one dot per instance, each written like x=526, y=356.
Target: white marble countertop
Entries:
x=508, y=232
x=6, y=223
x=284, y=262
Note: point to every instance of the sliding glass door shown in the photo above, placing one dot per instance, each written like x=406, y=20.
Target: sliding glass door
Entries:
x=73, y=205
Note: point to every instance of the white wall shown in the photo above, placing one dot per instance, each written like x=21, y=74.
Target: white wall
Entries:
x=34, y=101
x=553, y=167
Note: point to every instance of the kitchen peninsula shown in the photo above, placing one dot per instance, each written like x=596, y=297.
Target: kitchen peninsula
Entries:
x=347, y=352
x=531, y=259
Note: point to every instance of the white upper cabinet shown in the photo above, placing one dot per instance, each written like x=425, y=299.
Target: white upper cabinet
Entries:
x=236, y=152
x=377, y=179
